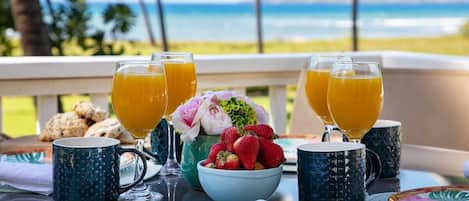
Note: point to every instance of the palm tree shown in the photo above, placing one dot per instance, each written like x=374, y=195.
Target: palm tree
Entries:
x=121, y=17
x=147, y=21
x=34, y=39
x=28, y=21
x=164, y=40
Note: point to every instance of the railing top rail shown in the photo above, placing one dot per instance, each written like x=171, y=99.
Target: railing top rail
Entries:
x=17, y=68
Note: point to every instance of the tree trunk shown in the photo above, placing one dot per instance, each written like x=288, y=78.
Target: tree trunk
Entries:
x=164, y=40
x=34, y=38
x=28, y=21
x=147, y=21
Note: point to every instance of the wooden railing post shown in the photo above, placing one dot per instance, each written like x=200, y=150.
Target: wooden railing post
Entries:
x=278, y=107
x=240, y=90
x=46, y=108
x=100, y=99
x=1, y=115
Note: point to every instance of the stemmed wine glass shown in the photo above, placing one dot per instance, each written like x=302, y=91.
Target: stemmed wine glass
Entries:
x=317, y=80
x=139, y=101
x=355, y=97
x=181, y=84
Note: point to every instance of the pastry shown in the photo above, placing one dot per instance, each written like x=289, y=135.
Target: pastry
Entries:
x=86, y=110
x=4, y=136
x=64, y=125
x=110, y=128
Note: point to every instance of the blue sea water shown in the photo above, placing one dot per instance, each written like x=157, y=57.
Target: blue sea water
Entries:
x=284, y=21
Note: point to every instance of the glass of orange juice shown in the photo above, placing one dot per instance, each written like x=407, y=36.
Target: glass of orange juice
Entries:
x=316, y=84
x=139, y=101
x=355, y=97
x=181, y=80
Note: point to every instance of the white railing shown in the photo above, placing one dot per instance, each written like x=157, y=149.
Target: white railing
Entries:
x=47, y=77
x=409, y=80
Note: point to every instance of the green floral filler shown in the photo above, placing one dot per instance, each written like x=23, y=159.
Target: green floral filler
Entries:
x=240, y=112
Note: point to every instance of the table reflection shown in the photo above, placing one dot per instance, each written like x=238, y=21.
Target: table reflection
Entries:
x=176, y=189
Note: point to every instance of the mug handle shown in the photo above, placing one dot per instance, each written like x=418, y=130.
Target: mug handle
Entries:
x=142, y=175
x=373, y=168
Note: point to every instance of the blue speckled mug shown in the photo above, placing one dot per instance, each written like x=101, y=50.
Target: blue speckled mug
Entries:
x=385, y=139
x=333, y=171
x=88, y=169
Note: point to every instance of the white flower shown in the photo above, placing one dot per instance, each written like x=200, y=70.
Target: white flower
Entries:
x=215, y=120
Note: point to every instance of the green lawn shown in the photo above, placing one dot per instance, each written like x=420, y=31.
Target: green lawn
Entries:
x=19, y=114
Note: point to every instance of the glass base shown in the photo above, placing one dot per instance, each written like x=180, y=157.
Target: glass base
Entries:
x=140, y=194
x=171, y=167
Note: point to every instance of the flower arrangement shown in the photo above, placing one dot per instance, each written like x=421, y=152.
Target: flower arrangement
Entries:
x=213, y=112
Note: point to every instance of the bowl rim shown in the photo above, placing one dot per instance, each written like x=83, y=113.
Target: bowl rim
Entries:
x=240, y=173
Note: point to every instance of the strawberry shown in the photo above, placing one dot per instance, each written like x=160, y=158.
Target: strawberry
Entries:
x=270, y=154
x=214, y=150
x=247, y=148
x=229, y=136
x=258, y=166
x=261, y=130
x=227, y=160
x=205, y=162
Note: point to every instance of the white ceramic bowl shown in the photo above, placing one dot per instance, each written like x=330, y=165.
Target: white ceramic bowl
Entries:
x=237, y=185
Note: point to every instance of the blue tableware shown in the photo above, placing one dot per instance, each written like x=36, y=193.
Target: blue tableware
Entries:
x=333, y=171
x=159, y=142
x=88, y=169
x=239, y=185
x=385, y=139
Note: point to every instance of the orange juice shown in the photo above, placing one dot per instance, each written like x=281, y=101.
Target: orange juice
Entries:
x=355, y=103
x=182, y=84
x=139, y=101
x=316, y=91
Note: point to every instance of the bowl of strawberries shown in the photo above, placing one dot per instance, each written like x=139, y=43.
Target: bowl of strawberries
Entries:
x=244, y=165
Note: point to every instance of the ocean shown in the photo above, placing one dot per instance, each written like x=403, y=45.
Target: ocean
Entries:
x=297, y=22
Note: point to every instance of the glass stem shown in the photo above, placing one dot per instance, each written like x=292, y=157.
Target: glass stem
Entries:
x=172, y=142
x=355, y=141
x=326, y=136
x=139, y=167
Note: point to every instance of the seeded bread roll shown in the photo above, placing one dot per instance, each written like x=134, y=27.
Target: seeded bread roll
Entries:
x=110, y=128
x=64, y=125
x=86, y=110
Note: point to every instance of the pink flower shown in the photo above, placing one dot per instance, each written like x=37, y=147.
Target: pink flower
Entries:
x=261, y=115
x=224, y=95
x=184, y=116
x=205, y=112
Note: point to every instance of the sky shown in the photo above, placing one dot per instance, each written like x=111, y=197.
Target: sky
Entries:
x=284, y=1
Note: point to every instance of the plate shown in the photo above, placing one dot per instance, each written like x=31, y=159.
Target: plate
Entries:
x=454, y=193
x=380, y=196
x=127, y=174
x=289, y=146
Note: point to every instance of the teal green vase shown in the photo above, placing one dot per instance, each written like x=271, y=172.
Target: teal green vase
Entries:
x=192, y=153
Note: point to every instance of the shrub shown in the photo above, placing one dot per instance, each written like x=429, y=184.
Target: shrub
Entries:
x=465, y=29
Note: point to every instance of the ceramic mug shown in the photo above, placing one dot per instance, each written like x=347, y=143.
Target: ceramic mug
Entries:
x=88, y=169
x=334, y=171
x=385, y=139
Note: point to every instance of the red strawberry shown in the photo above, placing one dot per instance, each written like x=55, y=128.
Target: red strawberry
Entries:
x=205, y=162
x=247, y=148
x=270, y=154
x=261, y=130
x=259, y=166
x=227, y=160
x=214, y=150
x=229, y=136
